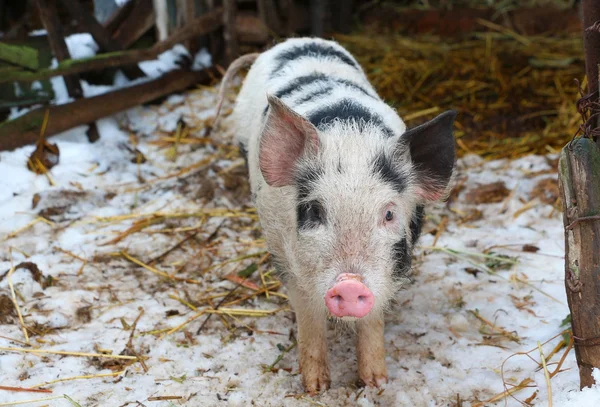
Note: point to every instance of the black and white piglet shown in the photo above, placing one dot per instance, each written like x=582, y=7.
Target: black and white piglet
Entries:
x=339, y=184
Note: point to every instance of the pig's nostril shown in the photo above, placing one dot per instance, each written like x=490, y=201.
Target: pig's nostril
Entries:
x=349, y=298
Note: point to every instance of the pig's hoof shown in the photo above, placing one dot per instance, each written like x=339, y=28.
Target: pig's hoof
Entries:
x=373, y=379
x=316, y=380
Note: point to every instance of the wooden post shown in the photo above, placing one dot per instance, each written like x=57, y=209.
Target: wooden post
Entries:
x=591, y=42
x=342, y=17
x=188, y=14
x=48, y=15
x=317, y=17
x=230, y=34
x=215, y=39
x=138, y=21
x=121, y=14
x=579, y=182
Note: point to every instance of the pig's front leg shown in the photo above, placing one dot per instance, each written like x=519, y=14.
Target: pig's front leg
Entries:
x=312, y=344
x=370, y=350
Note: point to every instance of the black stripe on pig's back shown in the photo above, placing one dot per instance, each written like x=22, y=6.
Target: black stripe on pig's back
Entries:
x=315, y=50
x=300, y=82
x=347, y=110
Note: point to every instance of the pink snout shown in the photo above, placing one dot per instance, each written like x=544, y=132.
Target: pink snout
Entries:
x=349, y=297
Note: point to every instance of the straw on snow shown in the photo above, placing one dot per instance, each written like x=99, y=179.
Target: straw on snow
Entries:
x=16, y=403
x=68, y=379
x=16, y=303
x=527, y=381
x=67, y=353
x=546, y=374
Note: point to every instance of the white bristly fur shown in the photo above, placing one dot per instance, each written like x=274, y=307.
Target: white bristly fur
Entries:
x=353, y=195
x=348, y=195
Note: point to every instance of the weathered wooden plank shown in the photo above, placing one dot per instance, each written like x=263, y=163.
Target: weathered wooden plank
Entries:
x=119, y=16
x=49, y=17
x=25, y=101
x=25, y=129
x=89, y=24
x=591, y=38
x=318, y=11
x=216, y=43
x=579, y=182
x=14, y=94
x=189, y=12
x=229, y=33
x=20, y=55
x=199, y=26
x=138, y=22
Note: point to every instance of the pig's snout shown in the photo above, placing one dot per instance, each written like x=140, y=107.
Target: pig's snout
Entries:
x=349, y=297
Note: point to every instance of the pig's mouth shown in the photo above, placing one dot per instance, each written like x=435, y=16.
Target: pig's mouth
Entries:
x=349, y=298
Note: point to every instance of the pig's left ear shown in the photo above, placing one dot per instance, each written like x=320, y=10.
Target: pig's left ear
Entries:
x=433, y=154
x=285, y=138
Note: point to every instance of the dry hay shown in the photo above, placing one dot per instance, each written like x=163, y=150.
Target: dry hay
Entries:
x=515, y=94
x=547, y=191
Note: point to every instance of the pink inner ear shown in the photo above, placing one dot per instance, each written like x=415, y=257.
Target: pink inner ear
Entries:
x=283, y=142
x=433, y=193
x=278, y=155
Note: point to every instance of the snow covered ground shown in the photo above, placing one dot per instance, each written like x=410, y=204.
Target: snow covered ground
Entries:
x=139, y=227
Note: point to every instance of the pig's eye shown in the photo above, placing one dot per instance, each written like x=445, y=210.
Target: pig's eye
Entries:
x=310, y=214
x=389, y=216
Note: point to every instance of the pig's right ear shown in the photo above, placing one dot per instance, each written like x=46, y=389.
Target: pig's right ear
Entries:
x=286, y=136
x=432, y=152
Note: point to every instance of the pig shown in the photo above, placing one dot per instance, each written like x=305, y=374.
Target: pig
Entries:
x=339, y=184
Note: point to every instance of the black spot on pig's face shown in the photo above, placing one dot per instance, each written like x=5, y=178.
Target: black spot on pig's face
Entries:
x=402, y=258
x=310, y=213
x=384, y=168
x=402, y=250
x=306, y=179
